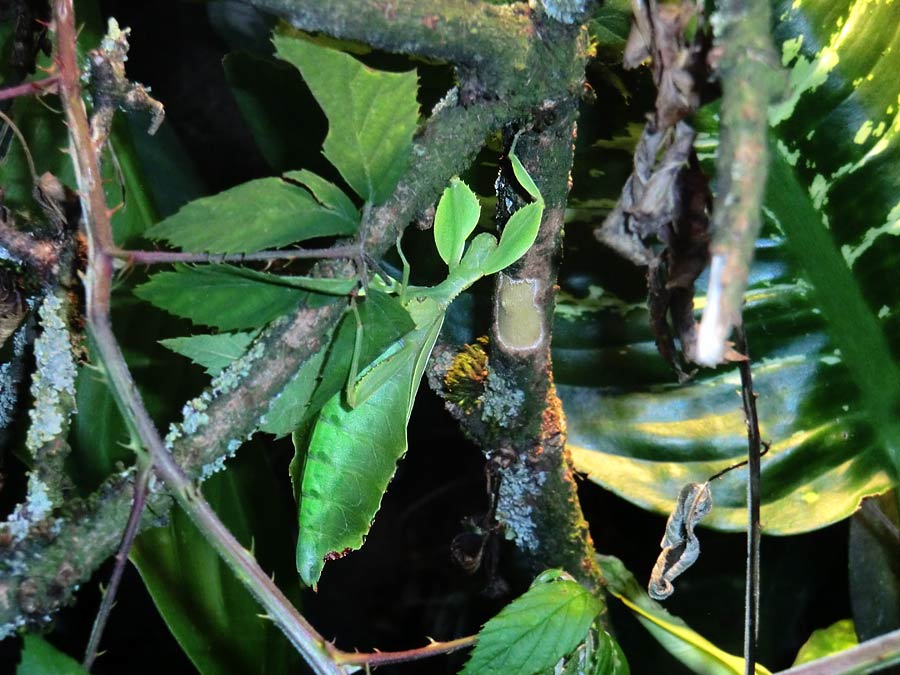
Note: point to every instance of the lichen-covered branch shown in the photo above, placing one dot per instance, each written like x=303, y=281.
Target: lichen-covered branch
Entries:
x=537, y=501
x=471, y=34
x=748, y=70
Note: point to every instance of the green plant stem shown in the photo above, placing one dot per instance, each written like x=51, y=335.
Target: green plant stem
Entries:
x=871, y=656
x=749, y=74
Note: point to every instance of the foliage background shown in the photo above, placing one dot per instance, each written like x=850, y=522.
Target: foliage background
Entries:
x=402, y=585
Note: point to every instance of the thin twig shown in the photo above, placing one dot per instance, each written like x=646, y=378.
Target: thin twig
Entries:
x=751, y=609
x=385, y=658
x=166, y=257
x=869, y=657
x=35, y=87
x=141, y=482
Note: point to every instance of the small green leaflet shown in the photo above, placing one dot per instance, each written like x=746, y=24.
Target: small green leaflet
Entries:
x=233, y=298
x=328, y=195
x=259, y=214
x=827, y=641
x=39, y=657
x=536, y=630
x=213, y=352
x=689, y=647
x=372, y=115
x=454, y=219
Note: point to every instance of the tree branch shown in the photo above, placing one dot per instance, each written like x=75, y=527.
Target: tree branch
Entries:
x=750, y=77
x=469, y=33
x=538, y=501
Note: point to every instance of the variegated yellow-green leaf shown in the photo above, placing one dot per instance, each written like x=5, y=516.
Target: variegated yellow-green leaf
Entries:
x=692, y=649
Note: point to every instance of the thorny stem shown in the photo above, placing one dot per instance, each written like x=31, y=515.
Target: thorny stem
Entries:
x=375, y=659
x=165, y=257
x=869, y=657
x=751, y=602
x=97, y=280
x=750, y=78
x=141, y=483
x=35, y=87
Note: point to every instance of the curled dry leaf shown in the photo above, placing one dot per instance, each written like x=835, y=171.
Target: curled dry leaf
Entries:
x=680, y=546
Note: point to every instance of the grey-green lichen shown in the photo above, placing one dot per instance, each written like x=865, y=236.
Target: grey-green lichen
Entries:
x=53, y=383
x=564, y=11
x=36, y=508
x=501, y=402
x=10, y=375
x=519, y=489
x=194, y=416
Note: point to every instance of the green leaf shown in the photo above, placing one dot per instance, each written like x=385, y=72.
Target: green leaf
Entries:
x=291, y=408
x=328, y=194
x=522, y=175
x=827, y=641
x=534, y=631
x=517, y=237
x=609, y=657
x=258, y=214
x=213, y=352
x=39, y=657
x=372, y=115
x=351, y=457
x=454, y=219
x=232, y=298
x=212, y=615
x=692, y=649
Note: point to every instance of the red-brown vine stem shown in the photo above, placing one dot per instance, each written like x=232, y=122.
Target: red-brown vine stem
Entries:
x=98, y=279
x=46, y=85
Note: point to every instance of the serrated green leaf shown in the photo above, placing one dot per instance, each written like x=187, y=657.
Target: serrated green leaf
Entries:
x=351, y=457
x=517, y=237
x=454, y=219
x=827, y=641
x=232, y=297
x=256, y=215
x=328, y=194
x=372, y=115
x=210, y=612
x=534, y=631
x=692, y=649
x=39, y=657
x=213, y=352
